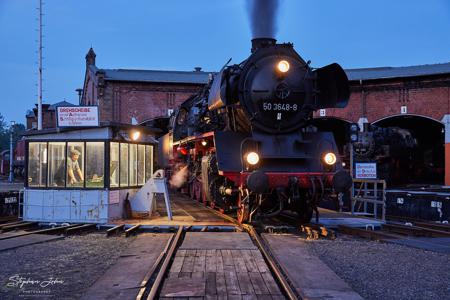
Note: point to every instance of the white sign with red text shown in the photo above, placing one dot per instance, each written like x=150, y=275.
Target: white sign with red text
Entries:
x=77, y=116
x=366, y=171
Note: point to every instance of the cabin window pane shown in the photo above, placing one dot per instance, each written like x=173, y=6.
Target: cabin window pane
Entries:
x=75, y=164
x=57, y=163
x=123, y=164
x=148, y=162
x=37, y=164
x=141, y=164
x=133, y=164
x=95, y=164
x=114, y=165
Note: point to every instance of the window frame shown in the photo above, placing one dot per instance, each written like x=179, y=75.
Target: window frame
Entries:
x=84, y=166
x=27, y=164
x=48, y=165
x=104, y=165
x=107, y=154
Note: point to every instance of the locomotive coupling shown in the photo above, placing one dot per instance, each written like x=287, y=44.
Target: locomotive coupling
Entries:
x=342, y=181
x=258, y=182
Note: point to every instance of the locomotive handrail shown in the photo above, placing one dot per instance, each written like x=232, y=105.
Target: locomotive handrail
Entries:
x=369, y=191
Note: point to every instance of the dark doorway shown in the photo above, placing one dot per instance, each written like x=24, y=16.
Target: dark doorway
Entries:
x=426, y=162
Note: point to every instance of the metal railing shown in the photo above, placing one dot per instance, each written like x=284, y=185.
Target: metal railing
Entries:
x=369, y=198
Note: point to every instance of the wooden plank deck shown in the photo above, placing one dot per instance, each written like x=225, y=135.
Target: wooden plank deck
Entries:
x=185, y=211
x=224, y=266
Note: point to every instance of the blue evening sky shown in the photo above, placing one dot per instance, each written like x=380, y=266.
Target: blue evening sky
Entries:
x=183, y=34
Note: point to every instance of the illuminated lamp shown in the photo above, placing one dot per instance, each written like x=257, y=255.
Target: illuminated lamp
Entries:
x=283, y=66
x=329, y=158
x=252, y=158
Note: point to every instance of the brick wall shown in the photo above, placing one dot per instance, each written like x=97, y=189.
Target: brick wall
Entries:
x=122, y=101
x=48, y=118
x=377, y=100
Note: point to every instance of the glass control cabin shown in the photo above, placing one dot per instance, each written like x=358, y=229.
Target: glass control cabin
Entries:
x=84, y=175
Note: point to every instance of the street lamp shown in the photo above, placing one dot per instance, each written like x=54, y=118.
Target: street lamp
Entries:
x=80, y=93
x=11, y=154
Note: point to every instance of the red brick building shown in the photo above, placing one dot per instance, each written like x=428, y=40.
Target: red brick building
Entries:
x=48, y=115
x=133, y=96
x=416, y=98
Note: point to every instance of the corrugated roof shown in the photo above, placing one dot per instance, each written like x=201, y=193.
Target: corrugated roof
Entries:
x=193, y=77
x=397, y=72
x=201, y=77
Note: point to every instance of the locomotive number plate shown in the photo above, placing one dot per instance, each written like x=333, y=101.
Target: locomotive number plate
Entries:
x=280, y=106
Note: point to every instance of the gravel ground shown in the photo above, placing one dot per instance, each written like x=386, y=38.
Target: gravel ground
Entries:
x=386, y=271
x=61, y=269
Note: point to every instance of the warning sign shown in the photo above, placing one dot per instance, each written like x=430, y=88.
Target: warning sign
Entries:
x=366, y=171
x=77, y=116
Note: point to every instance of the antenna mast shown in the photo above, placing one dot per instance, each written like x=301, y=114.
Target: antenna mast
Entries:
x=40, y=69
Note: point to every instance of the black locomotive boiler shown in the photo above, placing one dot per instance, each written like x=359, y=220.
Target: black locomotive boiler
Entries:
x=246, y=139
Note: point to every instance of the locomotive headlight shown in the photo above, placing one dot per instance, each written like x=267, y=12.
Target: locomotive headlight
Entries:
x=329, y=158
x=252, y=158
x=283, y=66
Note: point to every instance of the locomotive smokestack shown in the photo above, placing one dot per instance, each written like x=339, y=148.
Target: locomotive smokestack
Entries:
x=263, y=14
x=262, y=43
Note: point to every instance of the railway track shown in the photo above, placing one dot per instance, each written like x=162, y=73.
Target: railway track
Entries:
x=395, y=230
x=151, y=285
x=153, y=282
x=21, y=233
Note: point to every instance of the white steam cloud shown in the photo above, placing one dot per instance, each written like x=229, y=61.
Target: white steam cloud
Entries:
x=179, y=178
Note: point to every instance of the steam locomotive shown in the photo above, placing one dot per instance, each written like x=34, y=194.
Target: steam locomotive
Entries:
x=246, y=138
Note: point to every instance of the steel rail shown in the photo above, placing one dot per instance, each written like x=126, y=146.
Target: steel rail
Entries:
x=115, y=230
x=17, y=226
x=273, y=266
x=153, y=269
x=132, y=230
x=83, y=227
x=9, y=221
x=39, y=231
x=415, y=230
x=159, y=278
x=280, y=277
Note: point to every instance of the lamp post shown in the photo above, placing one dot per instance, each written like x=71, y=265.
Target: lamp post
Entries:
x=11, y=153
x=80, y=93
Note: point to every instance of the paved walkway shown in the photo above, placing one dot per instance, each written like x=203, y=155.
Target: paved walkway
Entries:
x=310, y=276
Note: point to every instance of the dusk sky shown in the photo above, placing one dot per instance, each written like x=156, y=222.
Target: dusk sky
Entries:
x=182, y=34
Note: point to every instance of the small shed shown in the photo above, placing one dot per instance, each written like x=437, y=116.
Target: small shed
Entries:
x=84, y=174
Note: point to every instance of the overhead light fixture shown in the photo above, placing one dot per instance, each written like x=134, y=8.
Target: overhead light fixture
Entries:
x=135, y=135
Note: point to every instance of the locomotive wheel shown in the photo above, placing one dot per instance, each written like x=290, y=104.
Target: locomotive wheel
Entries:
x=243, y=210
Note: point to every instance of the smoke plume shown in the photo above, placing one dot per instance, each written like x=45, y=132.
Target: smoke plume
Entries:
x=263, y=17
x=179, y=178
